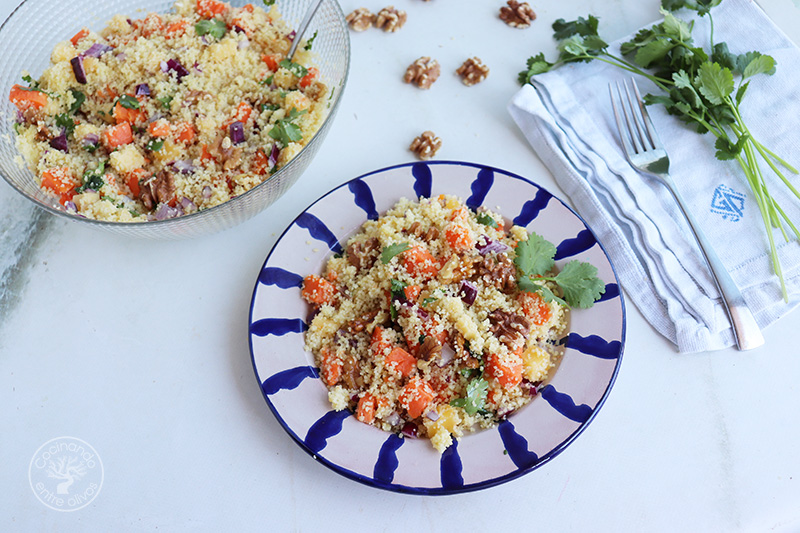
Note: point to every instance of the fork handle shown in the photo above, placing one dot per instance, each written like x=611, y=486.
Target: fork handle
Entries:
x=745, y=329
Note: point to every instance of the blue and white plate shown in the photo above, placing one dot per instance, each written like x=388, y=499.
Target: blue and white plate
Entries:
x=526, y=440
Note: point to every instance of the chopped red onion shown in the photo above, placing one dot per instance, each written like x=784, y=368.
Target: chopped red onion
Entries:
x=394, y=418
x=446, y=355
x=468, y=291
x=165, y=211
x=291, y=35
x=273, y=155
x=187, y=205
x=60, y=142
x=196, y=67
x=70, y=206
x=96, y=50
x=142, y=90
x=432, y=415
x=491, y=246
x=237, y=132
x=410, y=429
x=207, y=192
x=183, y=166
x=77, y=68
x=20, y=117
x=122, y=56
x=175, y=66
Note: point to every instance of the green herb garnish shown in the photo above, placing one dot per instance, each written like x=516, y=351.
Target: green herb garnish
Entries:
x=397, y=289
x=214, y=27
x=155, y=145
x=93, y=178
x=702, y=87
x=310, y=42
x=486, y=220
x=475, y=397
x=285, y=130
x=295, y=68
x=166, y=101
x=268, y=3
x=79, y=98
x=392, y=250
x=270, y=107
x=267, y=80
x=577, y=280
x=64, y=120
x=128, y=102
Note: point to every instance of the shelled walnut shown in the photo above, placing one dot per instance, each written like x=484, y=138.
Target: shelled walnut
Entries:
x=426, y=145
x=472, y=71
x=390, y=19
x=423, y=72
x=517, y=15
x=360, y=19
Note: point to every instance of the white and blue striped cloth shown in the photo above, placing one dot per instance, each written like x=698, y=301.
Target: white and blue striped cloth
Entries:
x=566, y=116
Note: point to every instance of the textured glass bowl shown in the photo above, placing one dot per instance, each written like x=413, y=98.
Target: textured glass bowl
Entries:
x=27, y=38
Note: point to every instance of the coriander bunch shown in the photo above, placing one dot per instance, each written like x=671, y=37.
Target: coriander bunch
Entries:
x=702, y=87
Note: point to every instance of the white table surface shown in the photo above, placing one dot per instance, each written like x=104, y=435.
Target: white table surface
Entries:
x=141, y=348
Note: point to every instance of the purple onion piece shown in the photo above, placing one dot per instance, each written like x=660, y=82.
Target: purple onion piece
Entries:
x=196, y=67
x=90, y=139
x=207, y=192
x=238, y=28
x=291, y=35
x=183, y=166
x=394, y=418
x=175, y=66
x=20, y=117
x=187, y=205
x=70, y=207
x=468, y=291
x=164, y=212
x=491, y=246
x=60, y=142
x=432, y=415
x=237, y=132
x=77, y=68
x=410, y=430
x=529, y=387
x=96, y=50
x=446, y=355
x=273, y=155
x=122, y=56
x=142, y=90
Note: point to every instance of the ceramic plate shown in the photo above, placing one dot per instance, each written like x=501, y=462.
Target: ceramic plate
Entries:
x=530, y=437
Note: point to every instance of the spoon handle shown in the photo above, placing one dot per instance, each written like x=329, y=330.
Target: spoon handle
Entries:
x=298, y=36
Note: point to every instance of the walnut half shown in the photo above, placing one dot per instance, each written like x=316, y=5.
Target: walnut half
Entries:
x=390, y=19
x=426, y=145
x=423, y=72
x=360, y=19
x=517, y=15
x=472, y=71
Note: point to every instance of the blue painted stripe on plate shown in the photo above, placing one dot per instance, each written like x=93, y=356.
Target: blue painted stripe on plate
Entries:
x=326, y=427
x=387, y=462
x=280, y=277
x=517, y=446
x=480, y=188
x=612, y=291
x=277, y=326
x=450, y=465
x=532, y=208
x=288, y=379
x=565, y=405
x=569, y=247
x=594, y=345
x=318, y=230
x=362, y=196
x=423, y=180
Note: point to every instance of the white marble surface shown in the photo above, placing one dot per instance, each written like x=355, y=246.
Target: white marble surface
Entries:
x=140, y=348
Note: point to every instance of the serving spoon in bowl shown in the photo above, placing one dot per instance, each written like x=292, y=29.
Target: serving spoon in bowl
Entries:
x=298, y=36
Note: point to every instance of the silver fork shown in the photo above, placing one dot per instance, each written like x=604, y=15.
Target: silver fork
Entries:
x=645, y=152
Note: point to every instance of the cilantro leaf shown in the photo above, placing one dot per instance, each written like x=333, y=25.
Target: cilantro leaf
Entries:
x=397, y=289
x=128, y=102
x=714, y=82
x=486, y=220
x=761, y=64
x=295, y=68
x=93, y=178
x=581, y=26
x=166, y=101
x=727, y=150
x=268, y=3
x=64, y=120
x=535, y=256
x=392, y=250
x=580, y=284
x=287, y=131
x=155, y=145
x=214, y=27
x=535, y=65
x=310, y=41
x=475, y=396
x=78, y=99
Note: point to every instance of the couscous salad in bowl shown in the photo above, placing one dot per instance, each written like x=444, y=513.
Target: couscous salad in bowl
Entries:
x=456, y=327
x=170, y=119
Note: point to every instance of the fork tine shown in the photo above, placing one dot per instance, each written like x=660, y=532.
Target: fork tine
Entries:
x=626, y=139
x=636, y=119
x=652, y=135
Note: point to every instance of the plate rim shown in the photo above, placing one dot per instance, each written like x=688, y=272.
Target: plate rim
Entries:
x=439, y=491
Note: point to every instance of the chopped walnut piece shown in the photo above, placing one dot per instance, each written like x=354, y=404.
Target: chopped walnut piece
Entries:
x=509, y=328
x=429, y=349
x=498, y=270
x=472, y=71
x=157, y=189
x=423, y=72
x=517, y=15
x=390, y=19
x=426, y=145
x=360, y=19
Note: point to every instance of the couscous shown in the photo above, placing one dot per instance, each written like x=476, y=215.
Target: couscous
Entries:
x=171, y=113
x=422, y=327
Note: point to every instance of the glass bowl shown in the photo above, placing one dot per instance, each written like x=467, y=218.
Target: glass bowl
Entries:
x=28, y=37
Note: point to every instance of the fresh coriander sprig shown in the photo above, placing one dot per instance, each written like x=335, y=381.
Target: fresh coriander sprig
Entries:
x=392, y=250
x=214, y=27
x=285, y=130
x=578, y=280
x=474, y=397
x=702, y=87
